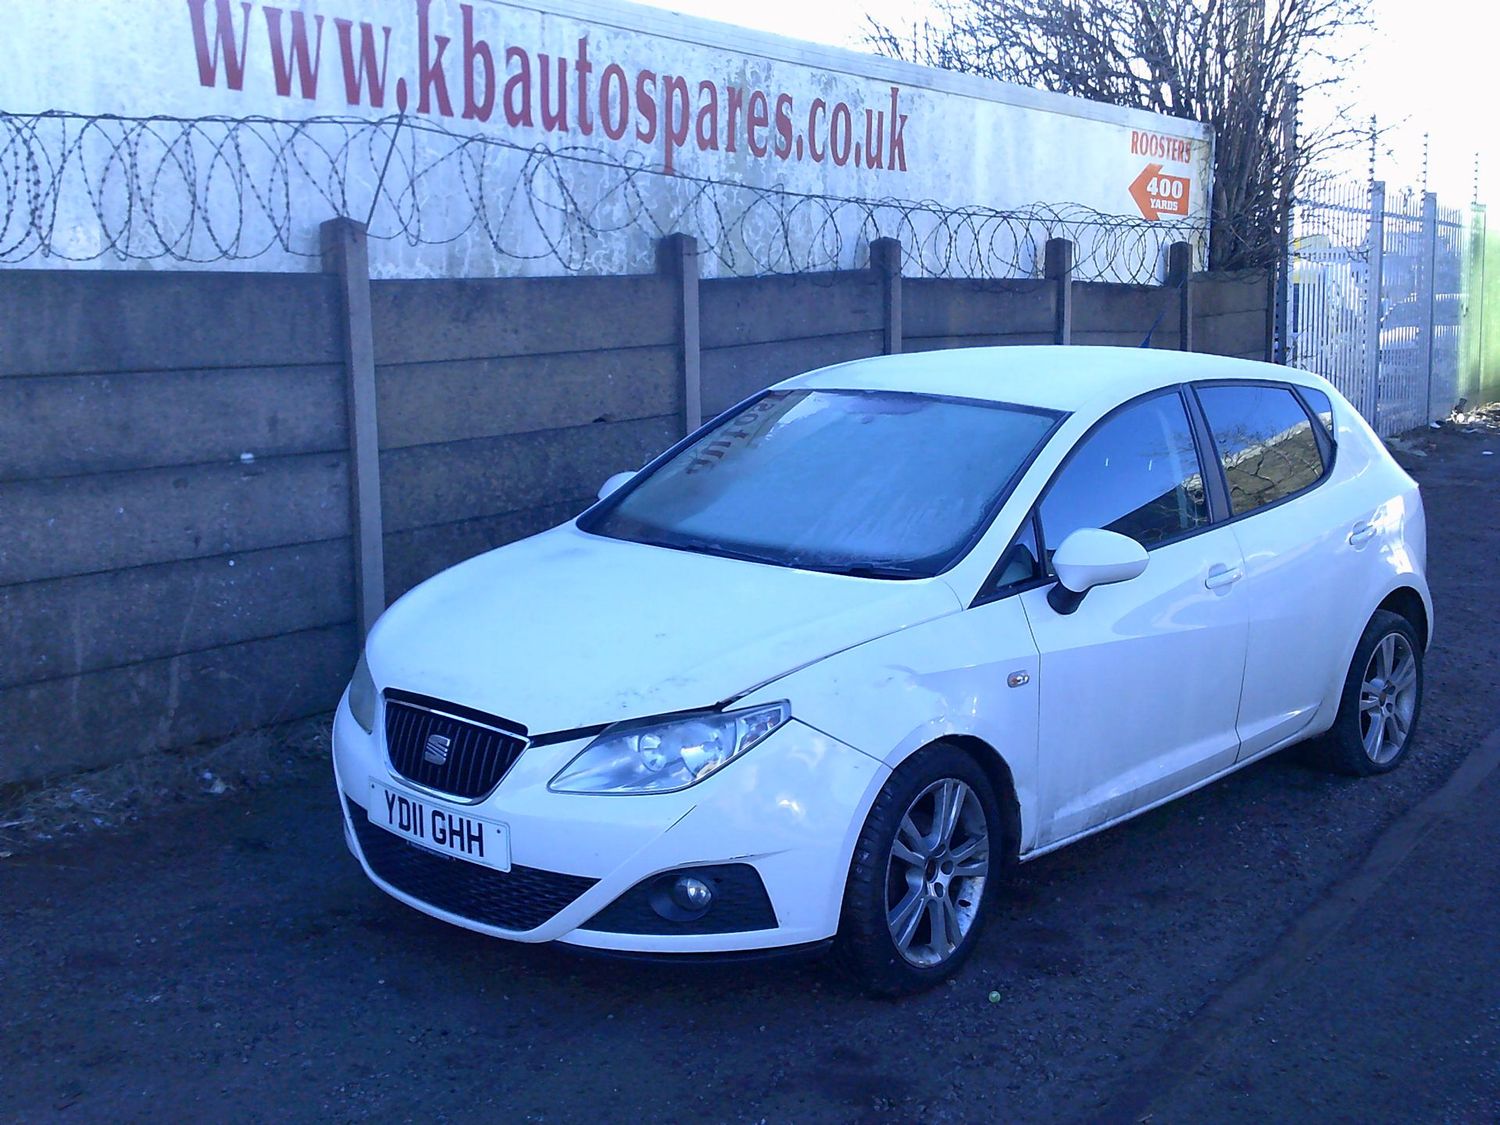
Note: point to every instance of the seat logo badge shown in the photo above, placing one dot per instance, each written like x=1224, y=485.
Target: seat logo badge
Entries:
x=435, y=750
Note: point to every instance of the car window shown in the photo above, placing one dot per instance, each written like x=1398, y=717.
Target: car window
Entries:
x=1321, y=406
x=1265, y=443
x=1021, y=562
x=1137, y=473
x=887, y=484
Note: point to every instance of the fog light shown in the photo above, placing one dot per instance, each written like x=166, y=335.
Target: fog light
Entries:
x=726, y=898
x=692, y=894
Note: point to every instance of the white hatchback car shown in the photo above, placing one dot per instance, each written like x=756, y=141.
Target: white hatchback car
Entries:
x=820, y=671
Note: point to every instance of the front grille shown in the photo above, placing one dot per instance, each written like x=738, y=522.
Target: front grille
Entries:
x=476, y=749
x=519, y=899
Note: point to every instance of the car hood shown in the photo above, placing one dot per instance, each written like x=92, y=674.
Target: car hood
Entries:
x=569, y=630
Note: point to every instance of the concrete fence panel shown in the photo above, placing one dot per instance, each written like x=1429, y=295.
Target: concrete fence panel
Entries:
x=480, y=318
x=92, y=622
x=734, y=373
x=1124, y=315
x=505, y=403
x=508, y=486
x=1231, y=314
x=458, y=400
x=760, y=310
x=945, y=313
x=61, y=526
x=758, y=331
x=78, y=722
x=154, y=419
x=70, y=322
x=173, y=489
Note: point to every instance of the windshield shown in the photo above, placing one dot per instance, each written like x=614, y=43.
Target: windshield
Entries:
x=878, y=483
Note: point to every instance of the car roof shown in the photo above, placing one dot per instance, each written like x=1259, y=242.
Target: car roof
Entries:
x=1066, y=378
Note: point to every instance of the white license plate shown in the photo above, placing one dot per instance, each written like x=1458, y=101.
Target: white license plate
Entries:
x=440, y=827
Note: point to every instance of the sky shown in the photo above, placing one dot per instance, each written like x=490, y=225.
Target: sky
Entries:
x=1430, y=67
x=1427, y=67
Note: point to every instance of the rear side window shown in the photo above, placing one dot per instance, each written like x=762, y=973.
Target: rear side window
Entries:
x=1137, y=473
x=1321, y=406
x=1265, y=442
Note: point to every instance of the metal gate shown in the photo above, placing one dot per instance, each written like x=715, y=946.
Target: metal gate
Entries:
x=1376, y=300
x=1329, y=295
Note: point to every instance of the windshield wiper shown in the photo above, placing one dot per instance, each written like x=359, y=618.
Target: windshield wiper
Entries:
x=864, y=568
x=872, y=570
x=705, y=547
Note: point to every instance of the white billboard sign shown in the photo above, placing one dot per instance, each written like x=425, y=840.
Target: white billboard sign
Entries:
x=488, y=137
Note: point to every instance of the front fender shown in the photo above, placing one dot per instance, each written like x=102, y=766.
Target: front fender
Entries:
x=892, y=696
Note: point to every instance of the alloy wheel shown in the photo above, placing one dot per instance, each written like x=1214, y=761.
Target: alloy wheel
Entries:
x=1388, y=698
x=939, y=860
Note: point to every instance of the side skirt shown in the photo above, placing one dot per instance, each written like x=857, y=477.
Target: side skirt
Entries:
x=1300, y=736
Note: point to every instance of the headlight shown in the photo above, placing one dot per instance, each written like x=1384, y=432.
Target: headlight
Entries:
x=669, y=754
x=362, y=696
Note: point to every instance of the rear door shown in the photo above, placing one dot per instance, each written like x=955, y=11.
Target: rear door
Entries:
x=1293, y=536
x=1140, y=685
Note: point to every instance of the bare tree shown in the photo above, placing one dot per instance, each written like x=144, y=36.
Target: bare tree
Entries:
x=1237, y=65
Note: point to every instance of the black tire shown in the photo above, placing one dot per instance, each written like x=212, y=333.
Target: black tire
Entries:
x=946, y=900
x=1350, y=746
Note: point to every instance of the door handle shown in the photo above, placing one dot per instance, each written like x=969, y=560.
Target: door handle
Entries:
x=1361, y=534
x=1221, y=576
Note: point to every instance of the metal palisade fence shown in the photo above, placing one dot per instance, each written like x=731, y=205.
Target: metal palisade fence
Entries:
x=1378, y=298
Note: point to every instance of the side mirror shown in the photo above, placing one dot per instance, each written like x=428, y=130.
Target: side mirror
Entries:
x=1092, y=557
x=614, y=484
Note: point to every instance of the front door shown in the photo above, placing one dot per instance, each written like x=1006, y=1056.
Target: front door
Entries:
x=1139, y=686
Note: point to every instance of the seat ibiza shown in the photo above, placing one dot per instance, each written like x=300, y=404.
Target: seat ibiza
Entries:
x=819, y=672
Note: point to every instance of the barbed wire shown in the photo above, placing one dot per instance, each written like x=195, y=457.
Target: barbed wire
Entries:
x=200, y=191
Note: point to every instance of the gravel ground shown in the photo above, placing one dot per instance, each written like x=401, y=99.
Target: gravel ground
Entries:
x=62, y=810
x=229, y=960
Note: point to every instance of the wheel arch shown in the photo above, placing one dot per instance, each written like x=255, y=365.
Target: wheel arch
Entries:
x=1407, y=602
x=998, y=770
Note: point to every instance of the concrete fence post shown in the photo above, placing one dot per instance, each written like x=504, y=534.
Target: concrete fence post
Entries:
x=346, y=255
x=1273, y=283
x=1058, y=268
x=1180, y=277
x=885, y=260
x=677, y=258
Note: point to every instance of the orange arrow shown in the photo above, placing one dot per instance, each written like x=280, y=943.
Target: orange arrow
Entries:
x=1143, y=198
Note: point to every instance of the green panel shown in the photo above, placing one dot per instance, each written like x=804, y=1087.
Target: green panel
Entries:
x=1479, y=375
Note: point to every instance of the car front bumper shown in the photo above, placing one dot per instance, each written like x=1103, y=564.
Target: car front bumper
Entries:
x=790, y=810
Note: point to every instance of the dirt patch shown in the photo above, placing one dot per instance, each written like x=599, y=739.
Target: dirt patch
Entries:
x=1468, y=431
x=35, y=816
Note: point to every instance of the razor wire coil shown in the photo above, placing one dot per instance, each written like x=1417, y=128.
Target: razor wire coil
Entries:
x=198, y=191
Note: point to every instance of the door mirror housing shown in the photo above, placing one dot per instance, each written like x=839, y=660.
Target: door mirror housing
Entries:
x=615, y=483
x=1092, y=557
